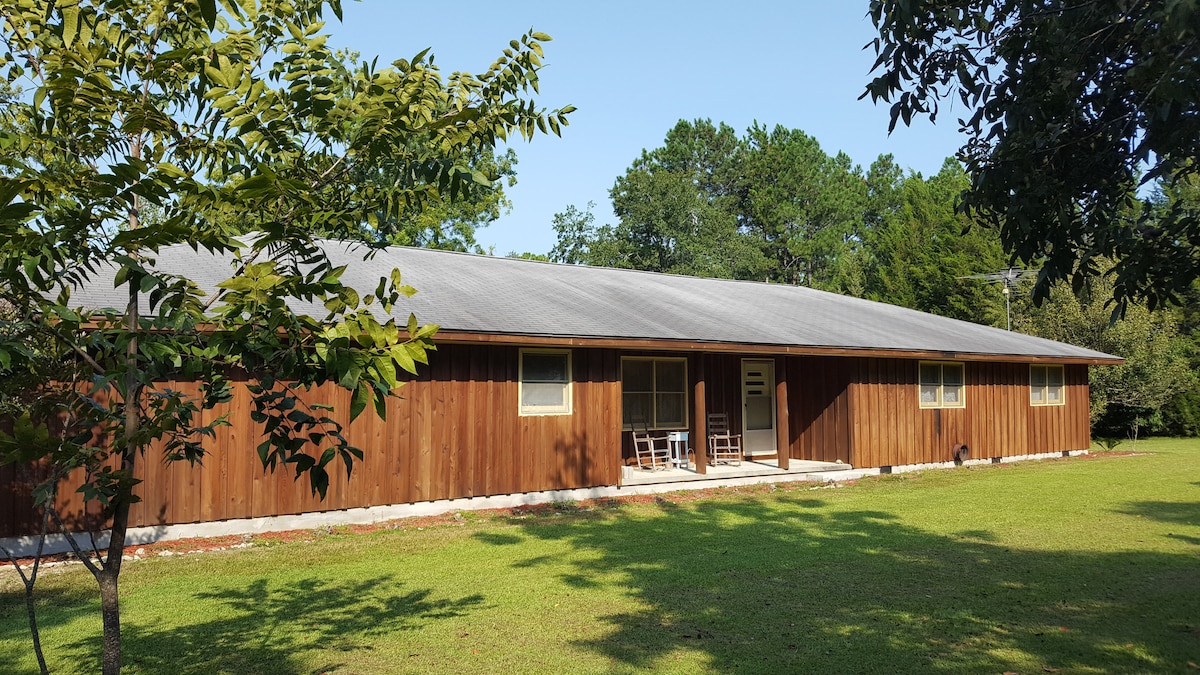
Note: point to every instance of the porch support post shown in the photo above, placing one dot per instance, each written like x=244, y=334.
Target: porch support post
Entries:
x=783, y=447
x=699, y=430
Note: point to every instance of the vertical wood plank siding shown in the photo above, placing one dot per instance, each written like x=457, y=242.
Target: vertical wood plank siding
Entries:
x=455, y=432
x=891, y=429
x=819, y=401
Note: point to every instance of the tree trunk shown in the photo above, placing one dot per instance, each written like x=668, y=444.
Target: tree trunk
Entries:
x=33, y=628
x=110, y=609
x=30, y=581
x=110, y=601
x=110, y=606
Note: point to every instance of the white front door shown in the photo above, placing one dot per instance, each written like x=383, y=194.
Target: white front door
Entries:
x=758, y=407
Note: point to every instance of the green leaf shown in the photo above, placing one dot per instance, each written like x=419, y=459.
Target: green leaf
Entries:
x=70, y=25
x=208, y=12
x=400, y=354
x=359, y=400
x=258, y=182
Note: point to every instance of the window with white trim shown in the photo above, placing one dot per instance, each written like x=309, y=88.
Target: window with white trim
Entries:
x=941, y=385
x=545, y=382
x=654, y=393
x=1046, y=385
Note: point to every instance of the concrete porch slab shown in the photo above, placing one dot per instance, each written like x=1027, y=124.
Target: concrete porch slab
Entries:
x=798, y=469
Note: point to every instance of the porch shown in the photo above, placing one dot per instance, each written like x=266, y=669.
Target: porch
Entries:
x=797, y=469
x=786, y=433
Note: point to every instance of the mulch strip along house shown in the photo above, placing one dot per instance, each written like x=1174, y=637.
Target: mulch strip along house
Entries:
x=543, y=370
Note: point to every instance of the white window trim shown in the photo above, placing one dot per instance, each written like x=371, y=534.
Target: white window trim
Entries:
x=962, y=399
x=544, y=411
x=1062, y=394
x=687, y=395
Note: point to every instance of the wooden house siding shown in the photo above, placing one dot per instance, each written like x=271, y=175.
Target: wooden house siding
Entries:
x=865, y=411
x=455, y=432
x=891, y=429
x=819, y=414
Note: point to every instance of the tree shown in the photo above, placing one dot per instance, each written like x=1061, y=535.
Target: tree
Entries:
x=884, y=180
x=675, y=210
x=920, y=249
x=1181, y=416
x=675, y=207
x=1156, y=369
x=225, y=119
x=769, y=206
x=669, y=223
x=577, y=237
x=439, y=221
x=1069, y=108
x=805, y=207
x=450, y=224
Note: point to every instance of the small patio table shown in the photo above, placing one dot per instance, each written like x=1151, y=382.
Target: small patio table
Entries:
x=679, y=450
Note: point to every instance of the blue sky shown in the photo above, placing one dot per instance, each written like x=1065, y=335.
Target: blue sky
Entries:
x=633, y=69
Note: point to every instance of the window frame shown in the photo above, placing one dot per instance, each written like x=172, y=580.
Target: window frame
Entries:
x=653, y=424
x=1045, y=388
x=568, y=406
x=940, y=403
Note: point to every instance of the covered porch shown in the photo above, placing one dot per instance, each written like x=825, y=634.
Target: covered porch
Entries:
x=790, y=413
x=795, y=469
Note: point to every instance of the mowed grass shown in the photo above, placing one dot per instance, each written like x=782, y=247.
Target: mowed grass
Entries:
x=1071, y=566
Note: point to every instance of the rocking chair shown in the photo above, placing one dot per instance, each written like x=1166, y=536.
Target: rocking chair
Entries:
x=653, y=452
x=723, y=447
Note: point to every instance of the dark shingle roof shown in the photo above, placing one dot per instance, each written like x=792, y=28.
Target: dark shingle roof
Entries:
x=505, y=296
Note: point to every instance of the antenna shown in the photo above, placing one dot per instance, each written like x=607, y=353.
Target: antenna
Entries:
x=1008, y=280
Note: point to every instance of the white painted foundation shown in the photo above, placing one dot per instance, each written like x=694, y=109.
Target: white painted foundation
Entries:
x=57, y=543
x=975, y=462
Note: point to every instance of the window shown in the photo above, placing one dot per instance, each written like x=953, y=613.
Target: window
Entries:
x=1046, y=385
x=942, y=385
x=654, y=393
x=545, y=387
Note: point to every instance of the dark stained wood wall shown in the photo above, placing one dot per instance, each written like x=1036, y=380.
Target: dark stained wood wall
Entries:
x=819, y=408
x=890, y=428
x=454, y=433
x=865, y=411
x=818, y=401
x=725, y=387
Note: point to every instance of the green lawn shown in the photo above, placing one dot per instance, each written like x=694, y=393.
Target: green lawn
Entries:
x=1073, y=565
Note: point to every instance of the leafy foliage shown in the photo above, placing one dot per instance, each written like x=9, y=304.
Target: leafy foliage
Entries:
x=675, y=207
x=920, y=249
x=1070, y=106
x=803, y=206
x=1155, y=371
x=216, y=123
x=774, y=206
x=770, y=206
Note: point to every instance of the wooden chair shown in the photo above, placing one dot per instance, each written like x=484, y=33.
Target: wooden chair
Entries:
x=653, y=451
x=723, y=447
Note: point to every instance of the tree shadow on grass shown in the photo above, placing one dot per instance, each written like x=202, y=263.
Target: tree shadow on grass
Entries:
x=1183, y=513
x=56, y=606
x=266, y=627
x=1179, y=513
x=783, y=584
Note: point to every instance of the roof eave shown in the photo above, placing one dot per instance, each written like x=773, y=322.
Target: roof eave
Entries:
x=449, y=336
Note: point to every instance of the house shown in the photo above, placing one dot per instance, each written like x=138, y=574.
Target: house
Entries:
x=541, y=370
